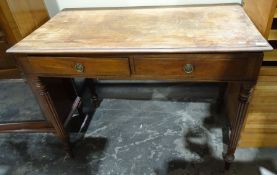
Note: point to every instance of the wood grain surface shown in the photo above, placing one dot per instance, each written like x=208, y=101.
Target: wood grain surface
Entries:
x=90, y=66
x=17, y=20
x=216, y=67
x=146, y=43
x=261, y=124
x=218, y=28
x=261, y=13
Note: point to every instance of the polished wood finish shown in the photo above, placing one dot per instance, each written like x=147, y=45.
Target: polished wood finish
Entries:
x=11, y=73
x=186, y=44
x=6, y=60
x=261, y=13
x=168, y=29
x=258, y=139
x=222, y=66
x=268, y=78
x=268, y=71
x=17, y=19
x=270, y=56
x=20, y=18
x=7, y=63
x=90, y=66
x=34, y=126
x=231, y=101
x=260, y=124
x=272, y=35
x=48, y=108
x=261, y=119
x=28, y=15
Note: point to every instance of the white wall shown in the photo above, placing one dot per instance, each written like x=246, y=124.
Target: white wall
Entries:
x=54, y=6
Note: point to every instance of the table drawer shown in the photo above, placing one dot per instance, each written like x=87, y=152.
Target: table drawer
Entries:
x=197, y=67
x=80, y=66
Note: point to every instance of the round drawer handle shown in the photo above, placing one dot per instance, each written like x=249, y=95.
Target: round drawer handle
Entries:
x=188, y=68
x=79, y=67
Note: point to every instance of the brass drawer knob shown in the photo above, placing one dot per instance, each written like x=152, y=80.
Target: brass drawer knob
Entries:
x=79, y=67
x=188, y=68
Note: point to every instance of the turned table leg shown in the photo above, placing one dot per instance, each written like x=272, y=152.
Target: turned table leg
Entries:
x=238, y=121
x=41, y=92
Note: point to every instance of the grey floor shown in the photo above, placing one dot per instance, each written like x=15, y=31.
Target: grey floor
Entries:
x=132, y=137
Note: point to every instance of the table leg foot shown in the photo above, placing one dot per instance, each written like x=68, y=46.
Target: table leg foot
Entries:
x=228, y=160
x=95, y=101
x=68, y=148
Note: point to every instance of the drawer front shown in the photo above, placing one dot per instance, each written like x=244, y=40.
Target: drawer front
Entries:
x=80, y=66
x=197, y=67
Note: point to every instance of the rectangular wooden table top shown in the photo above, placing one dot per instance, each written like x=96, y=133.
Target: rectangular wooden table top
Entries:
x=176, y=29
x=166, y=43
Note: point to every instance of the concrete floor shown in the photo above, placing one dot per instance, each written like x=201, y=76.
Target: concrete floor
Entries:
x=132, y=137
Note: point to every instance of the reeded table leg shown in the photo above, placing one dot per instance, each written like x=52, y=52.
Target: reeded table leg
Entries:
x=49, y=111
x=237, y=123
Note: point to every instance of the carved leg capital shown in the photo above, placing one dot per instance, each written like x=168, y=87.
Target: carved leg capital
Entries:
x=246, y=92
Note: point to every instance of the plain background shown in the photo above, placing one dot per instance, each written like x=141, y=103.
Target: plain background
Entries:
x=54, y=6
